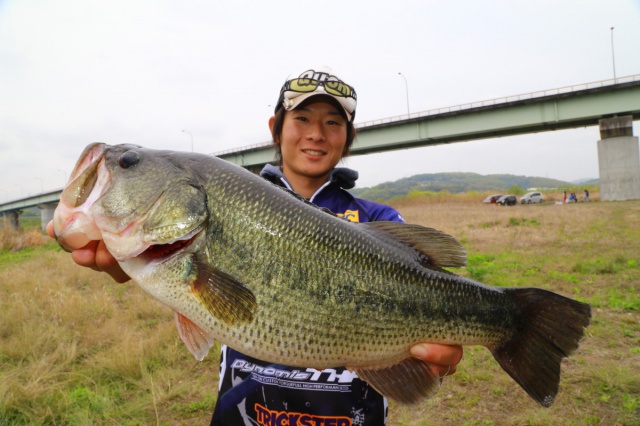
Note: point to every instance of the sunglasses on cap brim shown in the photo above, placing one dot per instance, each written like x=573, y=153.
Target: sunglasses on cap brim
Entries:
x=332, y=87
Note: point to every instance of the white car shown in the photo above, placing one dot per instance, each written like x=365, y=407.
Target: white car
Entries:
x=531, y=198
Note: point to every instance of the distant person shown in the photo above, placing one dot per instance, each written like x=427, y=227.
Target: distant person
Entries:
x=586, y=195
x=564, y=197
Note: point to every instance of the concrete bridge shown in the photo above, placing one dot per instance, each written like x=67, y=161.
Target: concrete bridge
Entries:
x=46, y=202
x=611, y=104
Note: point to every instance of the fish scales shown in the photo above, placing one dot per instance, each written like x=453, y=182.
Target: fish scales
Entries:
x=390, y=289
x=254, y=266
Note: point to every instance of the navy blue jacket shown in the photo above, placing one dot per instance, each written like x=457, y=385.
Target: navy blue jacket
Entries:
x=253, y=392
x=333, y=196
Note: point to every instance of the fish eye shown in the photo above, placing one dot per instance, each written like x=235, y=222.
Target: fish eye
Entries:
x=129, y=159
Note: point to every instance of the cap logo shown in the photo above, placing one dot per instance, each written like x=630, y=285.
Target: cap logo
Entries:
x=313, y=79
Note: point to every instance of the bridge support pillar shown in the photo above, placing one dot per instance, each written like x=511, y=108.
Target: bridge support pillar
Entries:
x=11, y=219
x=618, y=160
x=46, y=213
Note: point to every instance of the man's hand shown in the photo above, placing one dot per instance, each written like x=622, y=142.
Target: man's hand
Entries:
x=96, y=256
x=443, y=359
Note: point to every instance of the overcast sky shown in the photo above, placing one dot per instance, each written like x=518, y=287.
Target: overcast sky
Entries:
x=120, y=71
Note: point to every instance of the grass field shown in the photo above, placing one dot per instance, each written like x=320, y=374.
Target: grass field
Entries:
x=77, y=348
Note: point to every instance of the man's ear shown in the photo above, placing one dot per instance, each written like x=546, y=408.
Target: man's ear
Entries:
x=276, y=140
x=271, y=121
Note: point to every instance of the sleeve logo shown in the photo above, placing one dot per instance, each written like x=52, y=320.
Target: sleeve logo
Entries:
x=351, y=215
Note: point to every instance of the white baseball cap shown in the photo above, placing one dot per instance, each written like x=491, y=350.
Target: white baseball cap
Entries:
x=313, y=82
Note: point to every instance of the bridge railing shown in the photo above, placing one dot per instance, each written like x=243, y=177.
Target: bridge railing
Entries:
x=503, y=100
x=261, y=145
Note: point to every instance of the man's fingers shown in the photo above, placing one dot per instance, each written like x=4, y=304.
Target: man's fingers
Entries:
x=50, y=229
x=86, y=256
x=107, y=263
x=442, y=359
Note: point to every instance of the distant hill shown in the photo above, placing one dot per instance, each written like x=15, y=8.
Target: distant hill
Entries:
x=588, y=181
x=454, y=183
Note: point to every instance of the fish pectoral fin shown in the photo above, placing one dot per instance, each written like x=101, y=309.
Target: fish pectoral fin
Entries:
x=224, y=297
x=440, y=248
x=196, y=339
x=407, y=382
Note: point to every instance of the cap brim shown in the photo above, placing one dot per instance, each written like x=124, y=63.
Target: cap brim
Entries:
x=294, y=103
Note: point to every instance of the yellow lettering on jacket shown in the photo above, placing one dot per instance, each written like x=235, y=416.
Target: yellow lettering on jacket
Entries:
x=351, y=215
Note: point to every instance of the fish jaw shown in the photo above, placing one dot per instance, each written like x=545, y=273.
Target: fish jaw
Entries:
x=73, y=224
x=164, y=271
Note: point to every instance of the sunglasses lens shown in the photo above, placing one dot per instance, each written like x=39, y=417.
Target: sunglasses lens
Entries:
x=338, y=88
x=303, y=85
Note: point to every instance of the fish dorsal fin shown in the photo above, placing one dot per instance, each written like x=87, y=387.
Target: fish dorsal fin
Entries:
x=224, y=297
x=196, y=339
x=440, y=248
x=407, y=382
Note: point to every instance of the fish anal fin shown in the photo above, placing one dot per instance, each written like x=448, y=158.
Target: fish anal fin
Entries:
x=408, y=382
x=440, y=248
x=551, y=329
x=226, y=298
x=195, y=338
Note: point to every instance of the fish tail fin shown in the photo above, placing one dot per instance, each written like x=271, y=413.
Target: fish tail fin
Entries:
x=551, y=328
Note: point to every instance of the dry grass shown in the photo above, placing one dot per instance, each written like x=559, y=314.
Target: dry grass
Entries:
x=14, y=240
x=77, y=348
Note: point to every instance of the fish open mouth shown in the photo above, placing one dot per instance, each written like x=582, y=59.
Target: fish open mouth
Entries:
x=162, y=252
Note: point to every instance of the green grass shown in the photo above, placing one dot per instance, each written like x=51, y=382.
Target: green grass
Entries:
x=10, y=257
x=77, y=348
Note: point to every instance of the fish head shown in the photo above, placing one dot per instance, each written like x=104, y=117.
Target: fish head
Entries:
x=150, y=209
x=135, y=199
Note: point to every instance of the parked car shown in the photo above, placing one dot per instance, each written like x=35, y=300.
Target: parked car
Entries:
x=491, y=199
x=507, y=200
x=531, y=198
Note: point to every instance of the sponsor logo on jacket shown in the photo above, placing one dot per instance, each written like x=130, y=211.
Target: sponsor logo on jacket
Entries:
x=266, y=417
x=351, y=215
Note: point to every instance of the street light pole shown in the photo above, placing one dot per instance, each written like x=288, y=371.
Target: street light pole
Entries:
x=184, y=131
x=613, y=57
x=406, y=85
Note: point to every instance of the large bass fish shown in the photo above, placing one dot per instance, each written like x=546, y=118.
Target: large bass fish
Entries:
x=246, y=263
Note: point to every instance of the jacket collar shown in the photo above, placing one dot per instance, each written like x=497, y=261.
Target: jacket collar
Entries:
x=343, y=177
